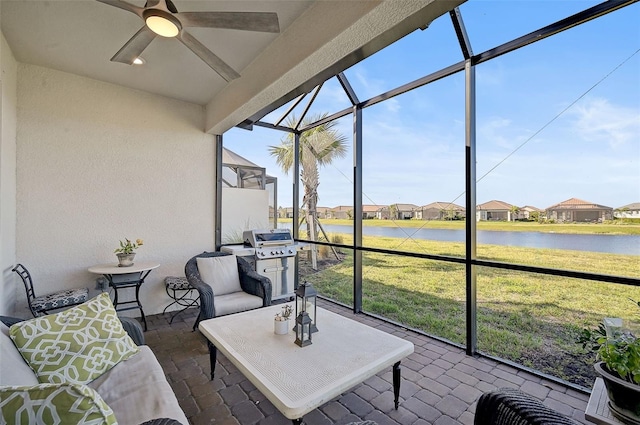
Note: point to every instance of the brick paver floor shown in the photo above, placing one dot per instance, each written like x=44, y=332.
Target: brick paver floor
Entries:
x=440, y=385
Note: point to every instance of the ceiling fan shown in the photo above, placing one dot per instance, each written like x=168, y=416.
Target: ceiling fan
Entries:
x=162, y=18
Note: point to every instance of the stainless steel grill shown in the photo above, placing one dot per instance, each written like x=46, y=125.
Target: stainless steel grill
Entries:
x=272, y=254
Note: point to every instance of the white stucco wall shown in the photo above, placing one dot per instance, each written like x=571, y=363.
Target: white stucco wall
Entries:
x=243, y=209
x=8, y=103
x=96, y=163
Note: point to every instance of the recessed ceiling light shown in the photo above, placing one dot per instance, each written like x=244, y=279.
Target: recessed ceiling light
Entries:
x=138, y=61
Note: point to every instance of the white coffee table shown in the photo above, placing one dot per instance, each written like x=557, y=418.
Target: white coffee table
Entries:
x=297, y=380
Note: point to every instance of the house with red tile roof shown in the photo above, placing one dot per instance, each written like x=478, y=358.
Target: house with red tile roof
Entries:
x=396, y=212
x=369, y=211
x=439, y=211
x=340, y=212
x=577, y=210
x=494, y=211
x=525, y=212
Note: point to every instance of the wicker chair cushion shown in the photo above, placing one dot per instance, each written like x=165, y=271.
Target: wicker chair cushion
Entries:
x=221, y=273
x=235, y=303
x=60, y=299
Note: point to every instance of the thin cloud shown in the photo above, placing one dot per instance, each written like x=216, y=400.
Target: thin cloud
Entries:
x=598, y=120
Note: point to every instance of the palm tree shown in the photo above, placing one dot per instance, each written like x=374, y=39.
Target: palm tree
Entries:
x=319, y=146
x=515, y=210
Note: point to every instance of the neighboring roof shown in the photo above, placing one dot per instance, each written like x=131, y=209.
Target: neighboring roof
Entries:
x=405, y=207
x=341, y=208
x=530, y=208
x=371, y=208
x=495, y=205
x=442, y=206
x=232, y=158
x=632, y=206
x=578, y=204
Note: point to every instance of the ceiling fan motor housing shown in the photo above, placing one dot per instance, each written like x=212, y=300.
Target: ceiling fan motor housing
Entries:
x=159, y=13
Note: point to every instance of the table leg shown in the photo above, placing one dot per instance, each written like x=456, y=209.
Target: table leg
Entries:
x=213, y=352
x=144, y=319
x=396, y=383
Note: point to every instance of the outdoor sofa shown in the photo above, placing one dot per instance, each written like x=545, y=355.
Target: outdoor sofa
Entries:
x=133, y=391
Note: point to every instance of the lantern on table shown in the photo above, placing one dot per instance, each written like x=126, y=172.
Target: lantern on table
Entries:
x=303, y=329
x=306, y=296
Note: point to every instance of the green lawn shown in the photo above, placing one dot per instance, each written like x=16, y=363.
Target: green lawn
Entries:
x=529, y=318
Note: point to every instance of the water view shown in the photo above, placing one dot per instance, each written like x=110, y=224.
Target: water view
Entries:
x=612, y=244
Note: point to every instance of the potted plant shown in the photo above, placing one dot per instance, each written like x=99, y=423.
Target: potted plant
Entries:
x=281, y=321
x=618, y=352
x=126, y=252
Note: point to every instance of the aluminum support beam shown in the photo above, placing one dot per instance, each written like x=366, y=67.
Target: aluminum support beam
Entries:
x=344, y=82
x=470, y=221
x=296, y=186
x=218, y=206
x=357, y=209
x=461, y=33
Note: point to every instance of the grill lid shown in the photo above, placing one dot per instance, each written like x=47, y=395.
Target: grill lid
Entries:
x=272, y=237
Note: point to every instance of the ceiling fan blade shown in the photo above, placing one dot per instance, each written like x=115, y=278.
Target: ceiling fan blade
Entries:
x=134, y=47
x=247, y=21
x=217, y=64
x=124, y=5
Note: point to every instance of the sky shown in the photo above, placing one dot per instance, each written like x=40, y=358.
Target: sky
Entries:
x=557, y=119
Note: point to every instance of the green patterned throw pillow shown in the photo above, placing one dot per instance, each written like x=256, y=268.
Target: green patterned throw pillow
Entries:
x=74, y=346
x=52, y=404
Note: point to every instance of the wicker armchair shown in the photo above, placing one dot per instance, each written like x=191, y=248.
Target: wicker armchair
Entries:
x=508, y=406
x=250, y=282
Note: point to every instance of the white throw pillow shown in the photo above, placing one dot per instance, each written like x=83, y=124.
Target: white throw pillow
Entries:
x=221, y=273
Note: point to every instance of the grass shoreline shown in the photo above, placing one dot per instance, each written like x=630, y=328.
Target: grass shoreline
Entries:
x=528, y=318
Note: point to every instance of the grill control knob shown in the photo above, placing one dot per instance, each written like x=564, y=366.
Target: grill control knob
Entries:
x=262, y=253
x=272, y=253
x=290, y=252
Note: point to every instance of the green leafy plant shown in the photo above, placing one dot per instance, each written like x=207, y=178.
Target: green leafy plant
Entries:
x=618, y=349
x=128, y=247
x=286, y=313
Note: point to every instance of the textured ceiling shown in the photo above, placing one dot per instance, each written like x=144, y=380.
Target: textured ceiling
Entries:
x=317, y=39
x=80, y=37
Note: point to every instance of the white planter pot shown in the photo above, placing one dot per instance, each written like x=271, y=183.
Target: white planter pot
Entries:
x=281, y=327
x=125, y=260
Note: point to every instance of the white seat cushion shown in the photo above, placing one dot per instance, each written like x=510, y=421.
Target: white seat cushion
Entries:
x=235, y=303
x=221, y=273
x=137, y=390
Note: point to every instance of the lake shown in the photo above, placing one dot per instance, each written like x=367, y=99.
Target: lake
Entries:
x=612, y=244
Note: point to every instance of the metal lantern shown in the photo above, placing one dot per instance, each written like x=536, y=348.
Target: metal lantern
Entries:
x=306, y=296
x=303, y=329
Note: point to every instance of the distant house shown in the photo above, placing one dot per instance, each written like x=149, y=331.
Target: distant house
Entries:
x=494, y=211
x=628, y=211
x=525, y=212
x=323, y=212
x=396, y=212
x=579, y=211
x=342, y=212
x=369, y=211
x=285, y=212
x=439, y=211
